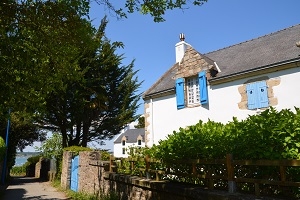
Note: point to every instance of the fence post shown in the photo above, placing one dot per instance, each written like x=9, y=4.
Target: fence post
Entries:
x=111, y=163
x=283, y=179
x=194, y=169
x=147, y=159
x=210, y=178
x=282, y=173
x=132, y=166
x=230, y=171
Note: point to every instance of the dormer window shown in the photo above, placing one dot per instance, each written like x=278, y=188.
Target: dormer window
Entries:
x=191, y=91
x=139, y=142
x=123, y=142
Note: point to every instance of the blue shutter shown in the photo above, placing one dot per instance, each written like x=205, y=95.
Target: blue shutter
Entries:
x=180, y=93
x=252, y=96
x=203, y=87
x=262, y=92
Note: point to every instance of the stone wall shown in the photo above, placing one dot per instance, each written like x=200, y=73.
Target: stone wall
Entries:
x=38, y=167
x=42, y=168
x=66, y=170
x=89, y=172
x=94, y=179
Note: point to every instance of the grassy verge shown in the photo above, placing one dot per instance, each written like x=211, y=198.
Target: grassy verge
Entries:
x=83, y=196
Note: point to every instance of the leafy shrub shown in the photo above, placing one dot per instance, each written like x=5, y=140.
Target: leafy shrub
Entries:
x=18, y=170
x=105, y=155
x=269, y=135
x=2, y=148
x=34, y=159
x=77, y=149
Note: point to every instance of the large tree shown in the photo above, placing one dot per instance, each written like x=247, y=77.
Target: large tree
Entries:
x=100, y=104
x=22, y=132
x=38, y=43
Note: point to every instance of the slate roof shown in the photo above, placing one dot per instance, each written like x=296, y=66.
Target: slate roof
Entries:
x=250, y=55
x=131, y=135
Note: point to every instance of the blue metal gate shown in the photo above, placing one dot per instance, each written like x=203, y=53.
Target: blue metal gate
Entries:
x=74, y=174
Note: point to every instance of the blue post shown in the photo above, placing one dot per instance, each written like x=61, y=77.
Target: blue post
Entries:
x=6, y=143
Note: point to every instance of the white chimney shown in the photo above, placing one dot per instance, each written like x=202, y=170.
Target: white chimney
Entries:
x=180, y=48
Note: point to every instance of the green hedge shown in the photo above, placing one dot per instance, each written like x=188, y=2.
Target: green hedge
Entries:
x=269, y=135
x=2, y=148
x=77, y=149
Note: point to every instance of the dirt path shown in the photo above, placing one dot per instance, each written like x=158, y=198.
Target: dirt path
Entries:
x=31, y=189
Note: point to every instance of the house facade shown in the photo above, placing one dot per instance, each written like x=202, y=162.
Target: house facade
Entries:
x=129, y=138
x=236, y=81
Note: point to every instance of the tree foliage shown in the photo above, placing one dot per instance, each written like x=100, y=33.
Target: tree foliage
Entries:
x=155, y=8
x=52, y=147
x=57, y=66
x=39, y=41
x=102, y=102
x=141, y=122
x=22, y=132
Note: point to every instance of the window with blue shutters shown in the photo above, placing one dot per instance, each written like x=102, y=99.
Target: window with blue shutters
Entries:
x=257, y=94
x=191, y=91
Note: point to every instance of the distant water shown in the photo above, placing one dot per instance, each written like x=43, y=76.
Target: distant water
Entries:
x=21, y=160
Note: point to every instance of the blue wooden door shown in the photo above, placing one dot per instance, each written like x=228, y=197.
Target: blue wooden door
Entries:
x=74, y=174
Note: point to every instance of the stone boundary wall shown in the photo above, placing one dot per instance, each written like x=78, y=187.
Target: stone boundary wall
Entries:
x=94, y=179
x=66, y=170
x=42, y=168
x=38, y=167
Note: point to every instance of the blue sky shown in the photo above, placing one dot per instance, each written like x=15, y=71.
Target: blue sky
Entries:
x=212, y=26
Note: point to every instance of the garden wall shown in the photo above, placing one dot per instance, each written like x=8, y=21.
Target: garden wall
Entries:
x=94, y=179
x=42, y=168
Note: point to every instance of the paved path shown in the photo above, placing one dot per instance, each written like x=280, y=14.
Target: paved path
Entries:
x=31, y=189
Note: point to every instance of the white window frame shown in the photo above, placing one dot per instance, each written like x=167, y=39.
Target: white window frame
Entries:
x=192, y=91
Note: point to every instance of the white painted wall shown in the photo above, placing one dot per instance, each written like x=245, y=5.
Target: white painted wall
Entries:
x=118, y=148
x=223, y=105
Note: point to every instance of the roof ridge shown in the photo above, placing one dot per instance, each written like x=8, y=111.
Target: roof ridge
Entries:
x=269, y=34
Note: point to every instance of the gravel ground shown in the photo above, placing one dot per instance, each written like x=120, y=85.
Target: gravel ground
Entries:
x=31, y=189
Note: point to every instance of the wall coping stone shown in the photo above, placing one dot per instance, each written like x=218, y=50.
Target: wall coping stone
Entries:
x=180, y=189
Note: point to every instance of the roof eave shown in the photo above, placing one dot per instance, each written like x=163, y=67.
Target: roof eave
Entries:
x=159, y=94
x=292, y=63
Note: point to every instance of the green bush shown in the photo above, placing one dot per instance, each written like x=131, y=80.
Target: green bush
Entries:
x=270, y=135
x=77, y=149
x=105, y=155
x=18, y=170
x=34, y=159
x=2, y=148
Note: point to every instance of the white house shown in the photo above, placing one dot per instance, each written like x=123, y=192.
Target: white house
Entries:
x=129, y=138
x=238, y=80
